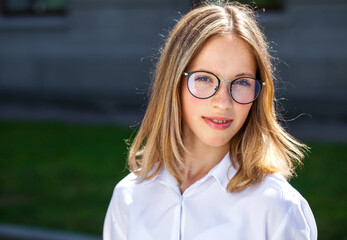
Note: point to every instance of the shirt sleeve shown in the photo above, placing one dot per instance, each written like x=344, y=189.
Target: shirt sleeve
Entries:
x=297, y=223
x=115, y=224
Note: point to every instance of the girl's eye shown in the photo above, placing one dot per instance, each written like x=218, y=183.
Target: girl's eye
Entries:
x=204, y=79
x=242, y=82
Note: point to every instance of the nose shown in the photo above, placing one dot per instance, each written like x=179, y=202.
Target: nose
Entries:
x=222, y=99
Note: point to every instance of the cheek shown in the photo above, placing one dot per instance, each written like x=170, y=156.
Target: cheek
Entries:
x=190, y=104
x=243, y=111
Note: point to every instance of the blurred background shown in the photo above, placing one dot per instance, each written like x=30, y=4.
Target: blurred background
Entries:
x=74, y=78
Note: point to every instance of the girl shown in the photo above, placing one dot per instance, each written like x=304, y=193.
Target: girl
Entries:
x=210, y=159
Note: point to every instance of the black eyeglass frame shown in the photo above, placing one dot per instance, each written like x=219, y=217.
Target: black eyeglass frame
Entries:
x=261, y=84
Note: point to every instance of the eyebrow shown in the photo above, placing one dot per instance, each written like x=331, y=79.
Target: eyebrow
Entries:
x=243, y=74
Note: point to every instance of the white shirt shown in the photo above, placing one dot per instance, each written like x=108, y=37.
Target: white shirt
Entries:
x=156, y=210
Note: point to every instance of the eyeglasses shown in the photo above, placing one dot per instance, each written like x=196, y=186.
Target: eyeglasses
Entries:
x=203, y=85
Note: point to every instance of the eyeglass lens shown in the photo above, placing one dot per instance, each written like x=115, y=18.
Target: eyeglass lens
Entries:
x=204, y=85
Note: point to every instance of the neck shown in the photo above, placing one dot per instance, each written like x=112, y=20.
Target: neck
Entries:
x=199, y=161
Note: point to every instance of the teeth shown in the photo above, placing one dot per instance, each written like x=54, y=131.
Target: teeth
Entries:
x=217, y=121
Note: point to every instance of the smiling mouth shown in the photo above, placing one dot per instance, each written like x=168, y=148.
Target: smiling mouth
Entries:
x=218, y=121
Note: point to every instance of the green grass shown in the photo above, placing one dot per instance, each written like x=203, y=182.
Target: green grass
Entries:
x=61, y=176
x=322, y=182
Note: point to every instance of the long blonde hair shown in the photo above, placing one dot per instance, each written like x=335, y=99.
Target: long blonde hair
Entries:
x=260, y=147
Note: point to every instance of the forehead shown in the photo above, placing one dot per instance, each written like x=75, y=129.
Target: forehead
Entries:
x=226, y=55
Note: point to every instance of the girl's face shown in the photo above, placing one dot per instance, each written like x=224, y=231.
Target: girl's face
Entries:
x=214, y=121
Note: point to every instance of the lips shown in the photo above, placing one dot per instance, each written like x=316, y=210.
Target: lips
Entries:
x=218, y=123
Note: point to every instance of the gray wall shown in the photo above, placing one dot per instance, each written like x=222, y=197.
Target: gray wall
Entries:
x=101, y=54
x=310, y=38
x=102, y=51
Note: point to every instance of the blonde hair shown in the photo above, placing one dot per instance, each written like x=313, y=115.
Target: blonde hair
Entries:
x=260, y=147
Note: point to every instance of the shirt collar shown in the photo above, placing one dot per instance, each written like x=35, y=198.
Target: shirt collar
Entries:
x=222, y=172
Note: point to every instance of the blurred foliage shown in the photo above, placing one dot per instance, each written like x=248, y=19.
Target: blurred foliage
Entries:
x=266, y=4
x=61, y=176
x=258, y=4
x=34, y=7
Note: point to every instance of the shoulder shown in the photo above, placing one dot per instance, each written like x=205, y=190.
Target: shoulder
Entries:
x=125, y=187
x=116, y=219
x=131, y=188
x=275, y=187
x=127, y=183
x=285, y=211
x=276, y=195
x=121, y=200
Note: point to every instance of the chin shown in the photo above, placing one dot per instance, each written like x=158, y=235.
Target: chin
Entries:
x=217, y=141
